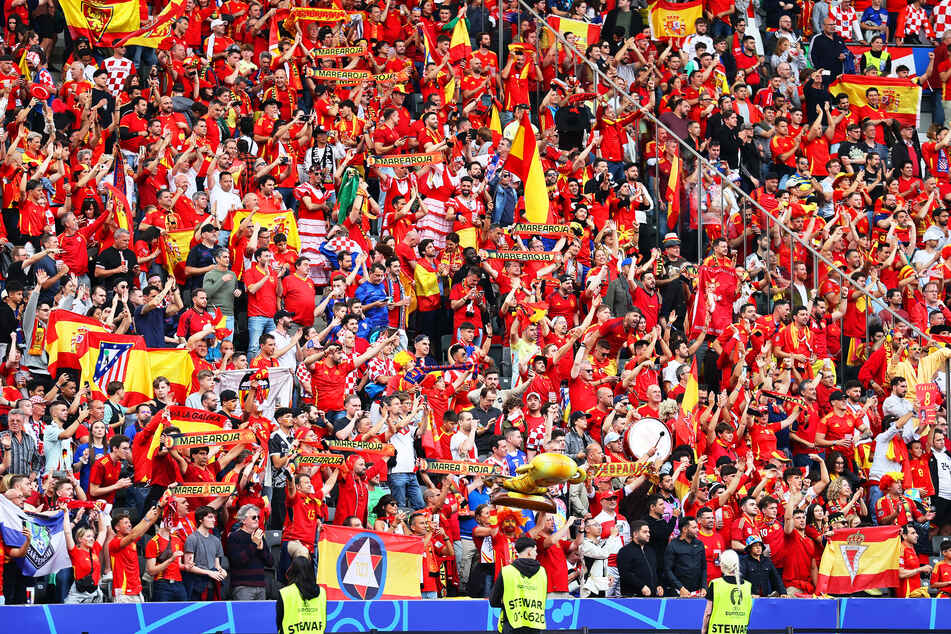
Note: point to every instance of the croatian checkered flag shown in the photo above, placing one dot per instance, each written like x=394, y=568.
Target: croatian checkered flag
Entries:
x=942, y=18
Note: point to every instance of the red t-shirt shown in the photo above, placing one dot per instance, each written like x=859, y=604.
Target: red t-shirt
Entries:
x=105, y=473
x=306, y=510
x=262, y=302
x=799, y=553
x=126, y=578
x=85, y=562
x=555, y=563
x=713, y=546
x=328, y=384
x=299, y=298
x=908, y=561
x=157, y=545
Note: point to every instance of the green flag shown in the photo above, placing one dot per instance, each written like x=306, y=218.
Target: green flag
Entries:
x=349, y=185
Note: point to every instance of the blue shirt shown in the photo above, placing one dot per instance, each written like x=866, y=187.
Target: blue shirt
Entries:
x=367, y=293
x=505, y=200
x=476, y=497
x=86, y=469
x=875, y=16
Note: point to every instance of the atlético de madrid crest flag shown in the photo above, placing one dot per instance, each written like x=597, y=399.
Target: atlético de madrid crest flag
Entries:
x=359, y=564
x=858, y=558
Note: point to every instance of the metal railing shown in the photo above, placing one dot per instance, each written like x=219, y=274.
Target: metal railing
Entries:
x=737, y=191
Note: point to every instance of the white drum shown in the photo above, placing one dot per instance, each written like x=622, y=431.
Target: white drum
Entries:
x=645, y=434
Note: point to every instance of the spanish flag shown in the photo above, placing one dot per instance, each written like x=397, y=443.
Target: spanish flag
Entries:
x=105, y=357
x=685, y=426
x=97, y=19
x=524, y=162
x=176, y=246
x=858, y=558
x=65, y=332
x=276, y=222
x=363, y=565
x=901, y=98
x=118, y=205
x=673, y=194
x=153, y=33
x=674, y=19
x=176, y=365
x=460, y=46
x=584, y=33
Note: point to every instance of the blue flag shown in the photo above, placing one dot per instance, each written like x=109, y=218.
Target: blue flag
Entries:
x=47, y=553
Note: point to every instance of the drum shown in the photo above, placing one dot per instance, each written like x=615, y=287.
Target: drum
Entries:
x=647, y=433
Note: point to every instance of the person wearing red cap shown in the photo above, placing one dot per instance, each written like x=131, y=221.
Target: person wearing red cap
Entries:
x=895, y=508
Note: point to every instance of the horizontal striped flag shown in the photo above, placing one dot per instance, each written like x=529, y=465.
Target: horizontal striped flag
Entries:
x=674, y=19
x=103, y=21
x=858, y=558
x=65, y=332
x=901, y=98
x=353, y=563
x=584, y=33
x=105, y=357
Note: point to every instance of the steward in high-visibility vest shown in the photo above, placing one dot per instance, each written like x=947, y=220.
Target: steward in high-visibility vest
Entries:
x=521, y=590
x=302, y=605
x=729, y=604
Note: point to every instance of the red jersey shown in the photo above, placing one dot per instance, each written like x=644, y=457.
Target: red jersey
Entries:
x=713, y=547
x=157, y=545
x=303, y=512
x=908, y=561
x=126, y=578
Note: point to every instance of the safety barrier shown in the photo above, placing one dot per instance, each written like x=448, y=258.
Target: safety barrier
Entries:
x=450, y=615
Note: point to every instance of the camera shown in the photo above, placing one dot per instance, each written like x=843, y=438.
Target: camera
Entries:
x=285, y=160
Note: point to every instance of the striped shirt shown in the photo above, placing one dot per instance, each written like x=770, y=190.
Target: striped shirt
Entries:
x=24, y=459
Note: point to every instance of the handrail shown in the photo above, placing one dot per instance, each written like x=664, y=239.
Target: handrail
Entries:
x=725, y=183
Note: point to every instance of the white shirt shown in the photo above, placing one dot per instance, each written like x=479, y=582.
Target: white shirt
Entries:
x=896, y=406
x=402, y=442
x=880, y=462
x=455, y=447
x=944, y=474
x=223, y=202
x=289, y=358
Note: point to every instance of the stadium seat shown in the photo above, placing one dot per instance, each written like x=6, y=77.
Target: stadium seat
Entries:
x=272, y=538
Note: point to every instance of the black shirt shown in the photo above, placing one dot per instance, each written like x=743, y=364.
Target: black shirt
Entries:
x=199, y=256
x=113, y=258
x=637, y=566
x=685, y=565
x=9, y=322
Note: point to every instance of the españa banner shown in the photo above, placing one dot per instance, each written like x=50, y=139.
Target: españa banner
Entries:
x=858, y=558
x=620, y=469
x=584, y=33
x=901, y=98
x=277, y=222
x=364, y=565
x=65, y=332
x=97, y=19
x=674, y=19
x=105, y=357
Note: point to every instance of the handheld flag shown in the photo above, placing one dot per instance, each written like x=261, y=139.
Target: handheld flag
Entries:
x=524, y=162
x=460, y=47
x=176, y=365
x=65, y=333
x=106, y=357
x=901, y=98
x=671, y=20
x=151, y=35
x=363, y=565
x=673, y=194
x=858, y=558
x=95, y=19
x=47, y=553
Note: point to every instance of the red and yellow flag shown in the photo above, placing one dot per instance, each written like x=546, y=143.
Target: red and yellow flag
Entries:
x=858, y=558
x=685, y=426
x=118, y=205
x=524, y=162
x=105, y=357
x=153, y=33
x=901, y=98
x=673, y=194
x=674, y=19
x=103, y=21
x=584, y=33
x=275, y=221
x=460, y=46
x=65, y=332
x=176, y=246
x=363, y=565
x=176, y=365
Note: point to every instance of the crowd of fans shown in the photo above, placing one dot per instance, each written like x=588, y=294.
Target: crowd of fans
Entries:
x=807, y=418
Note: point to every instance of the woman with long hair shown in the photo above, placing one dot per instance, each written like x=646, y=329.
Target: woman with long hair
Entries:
x=389, y=518
x=728, y=593
x=842, y=500
x=85, y=550
x=301, y=604
x=88, y=452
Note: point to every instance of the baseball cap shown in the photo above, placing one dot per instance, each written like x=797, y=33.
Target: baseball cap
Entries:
x=228, y=395
x=576, y=415
x=611, y=437
x=838, y=395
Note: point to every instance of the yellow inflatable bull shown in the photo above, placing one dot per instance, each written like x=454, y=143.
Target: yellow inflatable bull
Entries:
x=529, y=488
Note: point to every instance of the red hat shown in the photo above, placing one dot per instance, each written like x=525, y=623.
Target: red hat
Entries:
x=888, y=480
x=604, y=495
x=40, y=91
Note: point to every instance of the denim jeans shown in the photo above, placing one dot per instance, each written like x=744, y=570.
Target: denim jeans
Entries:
x=164, y=590
x=256, y=327
x=405, y=488
x=874, y=495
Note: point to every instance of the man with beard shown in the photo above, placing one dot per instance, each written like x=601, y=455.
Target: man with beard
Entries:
x=733, y=345
x=465, y=210
x=795, y=343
